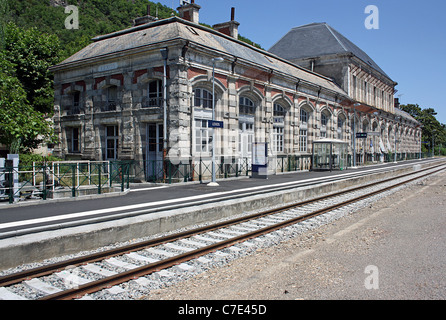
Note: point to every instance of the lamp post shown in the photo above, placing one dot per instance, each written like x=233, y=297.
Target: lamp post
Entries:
x=213, y=183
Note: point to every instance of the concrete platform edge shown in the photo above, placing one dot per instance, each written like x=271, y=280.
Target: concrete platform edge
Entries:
x=39, y=246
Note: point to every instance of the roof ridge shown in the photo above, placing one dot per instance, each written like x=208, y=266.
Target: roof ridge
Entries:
x=337, y=39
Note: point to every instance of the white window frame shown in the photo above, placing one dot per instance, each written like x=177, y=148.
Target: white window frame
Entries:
x=73, y=139
x=202, y=137
x=303, y=140
x=324, y=121
x=202, y=98
x=278, y=128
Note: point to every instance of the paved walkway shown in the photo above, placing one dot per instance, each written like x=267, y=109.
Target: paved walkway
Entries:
x=39, y=213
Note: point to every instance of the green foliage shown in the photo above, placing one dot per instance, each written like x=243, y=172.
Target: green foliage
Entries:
x=96, y=17
x=433, y=130
x=241, y=38
x=33, y=38
x=21, y=126
x=26, y=159
x=32, y=53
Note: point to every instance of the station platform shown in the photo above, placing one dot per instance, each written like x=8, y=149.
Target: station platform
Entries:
x=35, y=230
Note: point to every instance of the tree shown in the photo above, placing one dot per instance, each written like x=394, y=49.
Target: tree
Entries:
x=32, y=53
x=433, y=130
x=21, y=127
x=22, y=77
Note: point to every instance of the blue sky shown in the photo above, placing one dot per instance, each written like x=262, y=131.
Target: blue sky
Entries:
x=410, y=44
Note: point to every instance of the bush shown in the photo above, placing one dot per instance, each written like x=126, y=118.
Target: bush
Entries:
x=26, y=160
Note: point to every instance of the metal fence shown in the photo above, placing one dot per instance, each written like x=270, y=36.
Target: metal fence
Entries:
x=75, y=178
x=62, y=179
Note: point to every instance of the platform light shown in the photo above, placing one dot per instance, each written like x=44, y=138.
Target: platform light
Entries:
x=213, y=183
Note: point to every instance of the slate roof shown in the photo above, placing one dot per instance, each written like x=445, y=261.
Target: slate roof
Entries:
x=176, y=28
x=317, y=40
x=405, y=115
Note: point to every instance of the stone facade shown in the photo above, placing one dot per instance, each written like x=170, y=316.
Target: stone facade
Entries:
x=109, y=98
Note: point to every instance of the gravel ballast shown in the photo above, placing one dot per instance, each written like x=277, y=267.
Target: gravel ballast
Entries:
x=399, y=241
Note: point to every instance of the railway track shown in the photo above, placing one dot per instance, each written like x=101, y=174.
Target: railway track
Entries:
x=110, y=268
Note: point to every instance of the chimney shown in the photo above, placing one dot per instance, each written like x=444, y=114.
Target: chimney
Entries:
x=146, y=19
x=229, y=28
x=190, y=12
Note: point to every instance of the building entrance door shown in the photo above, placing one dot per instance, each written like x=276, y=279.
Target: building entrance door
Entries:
x=246, y=139
x=154, y=151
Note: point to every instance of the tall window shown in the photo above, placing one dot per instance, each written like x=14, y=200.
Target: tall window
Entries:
x=278, y=128
x=73, y=139
x=203, y=137
x=247, y=111
x=111, y=142
x=75, y=106
x=374, y=96
x=365, y=91
x=324, y=120
x=303, y=141
x=155, y=94
x=340, y=128
x=354, y=87
x=112, y=98
x=76, y=103
x=303, y=132
x=303, y=116
x=245, y=138
x=203, y=98
x=203, y=134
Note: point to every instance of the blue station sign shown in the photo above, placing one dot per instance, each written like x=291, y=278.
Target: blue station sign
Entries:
x=215, y=124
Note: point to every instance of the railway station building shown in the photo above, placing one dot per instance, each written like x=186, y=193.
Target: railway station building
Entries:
x=145, y=94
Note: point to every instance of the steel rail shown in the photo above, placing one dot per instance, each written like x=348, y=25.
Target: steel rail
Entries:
x=157, y=266
x=149, y=210
x=15, y=278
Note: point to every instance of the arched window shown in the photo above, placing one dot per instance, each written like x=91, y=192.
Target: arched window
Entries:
x=203, y=98
x=365, y=126
x=340, y=131
x=324, y=123
x=246, y=106
x=203, y=113
x=247, y=110
x=303, y=131
x=278, y=127
x=303, y=116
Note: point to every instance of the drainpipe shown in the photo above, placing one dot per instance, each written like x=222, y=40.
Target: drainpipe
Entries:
x=165, y=54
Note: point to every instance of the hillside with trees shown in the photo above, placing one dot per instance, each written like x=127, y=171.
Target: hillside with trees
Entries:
x=96, y=17
x=33, y=36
